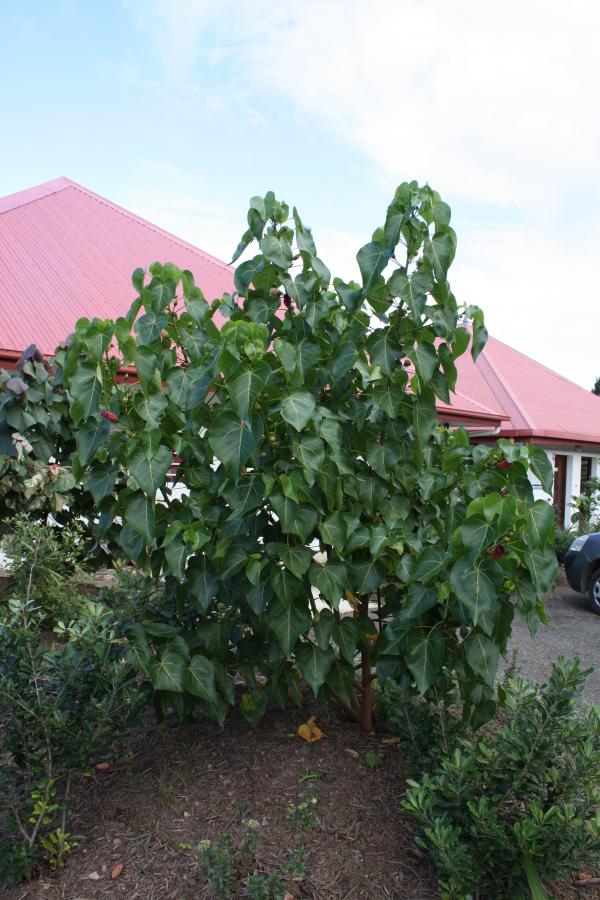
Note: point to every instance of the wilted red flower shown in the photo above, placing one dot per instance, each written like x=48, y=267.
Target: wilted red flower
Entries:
x=111, y=416
x=498, y=551
x=504, y=464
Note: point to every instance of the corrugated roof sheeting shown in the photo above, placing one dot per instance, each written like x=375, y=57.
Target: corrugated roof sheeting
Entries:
x=538, y=402
x=65, y=252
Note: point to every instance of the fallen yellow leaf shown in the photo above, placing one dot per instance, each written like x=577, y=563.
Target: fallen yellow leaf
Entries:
x=310, y=731
x=117, y=870
x=392, y=740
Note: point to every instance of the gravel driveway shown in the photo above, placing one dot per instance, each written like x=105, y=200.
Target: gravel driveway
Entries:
x=572, y=630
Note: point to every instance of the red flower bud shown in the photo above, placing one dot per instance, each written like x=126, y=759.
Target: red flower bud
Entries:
x=498, y=551
x=504, y=464
x=111, y=416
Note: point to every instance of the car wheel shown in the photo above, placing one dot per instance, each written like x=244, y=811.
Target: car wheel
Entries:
x=594, y=592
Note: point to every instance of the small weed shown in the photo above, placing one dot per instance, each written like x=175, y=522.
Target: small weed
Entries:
x=265, y=887
x=250, y=837
x=308, y=777
x=303, y=814
x=294, y=868
x=217, y=864
x=164, y=793
x=373, y=759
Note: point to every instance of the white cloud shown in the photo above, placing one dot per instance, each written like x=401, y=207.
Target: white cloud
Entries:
x=493, y=103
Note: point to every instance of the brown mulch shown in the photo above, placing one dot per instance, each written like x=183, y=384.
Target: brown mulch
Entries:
x=183, y=786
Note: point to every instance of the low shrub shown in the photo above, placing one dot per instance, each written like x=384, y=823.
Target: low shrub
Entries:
x=48, y=562
x=227, y=864
x=62, y=707
x=516, y=804
x=563, y=539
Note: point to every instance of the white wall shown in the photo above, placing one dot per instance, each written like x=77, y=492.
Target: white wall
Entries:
x=573, y=478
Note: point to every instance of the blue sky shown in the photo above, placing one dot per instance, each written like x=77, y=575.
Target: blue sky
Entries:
x=182, y=109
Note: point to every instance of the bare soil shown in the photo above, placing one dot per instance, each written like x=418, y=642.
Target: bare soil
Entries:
x=182, y=786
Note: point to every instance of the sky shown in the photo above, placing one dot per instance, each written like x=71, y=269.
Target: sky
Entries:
x=181, y=110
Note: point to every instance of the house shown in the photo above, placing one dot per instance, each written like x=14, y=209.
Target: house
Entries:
x=66, y=252
x=539, y=407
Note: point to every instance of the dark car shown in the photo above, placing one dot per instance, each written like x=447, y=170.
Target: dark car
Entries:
x=582, y=568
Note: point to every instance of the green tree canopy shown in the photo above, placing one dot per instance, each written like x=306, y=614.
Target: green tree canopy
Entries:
x=306, y=436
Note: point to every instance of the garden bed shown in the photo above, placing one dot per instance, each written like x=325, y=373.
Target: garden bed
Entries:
x=183, y=786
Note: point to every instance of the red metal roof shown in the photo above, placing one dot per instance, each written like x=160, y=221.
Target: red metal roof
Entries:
x=66, y=252
x=539, y=404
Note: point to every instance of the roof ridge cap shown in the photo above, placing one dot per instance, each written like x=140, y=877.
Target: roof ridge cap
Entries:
x=32, y=194
x=147, y=224
x=509, y=392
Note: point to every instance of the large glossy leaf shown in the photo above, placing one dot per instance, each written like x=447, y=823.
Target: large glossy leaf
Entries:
x=151, y=407
x=542, y=467
x=540, y=522
x=372, y=260
x=367, y=576
x=476, y=584
x=277, y=251
x=309, y=452
x=543, y=568
x=425, y=651
x=99, y=483
x=169, y=672
x=477, y=534
x=347, y=636
x=334, y=531
x=314, y=664
x=85, y=388
x=288, y=621
x=246, y=496
x=176, y=555
x=329, y=580
x=297, y=560
x=440, y=251
x=425, y=361
x=233, y=441
x=323, y=626
x=151, y=473
x=285, y=585
x=429, y=563
x=384, y=350
x=482, y=655
x=294, y=518
x=200, y=678
x=413, y=290
x=419, y=600
x=203, y=586
x=298, y=409
x=246, y=272
x=244, y=390
x=150, y=325
x=139, y=514
x=90, y=437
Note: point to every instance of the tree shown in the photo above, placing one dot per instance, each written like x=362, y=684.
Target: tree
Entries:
x=306, y=423
x=596, y=388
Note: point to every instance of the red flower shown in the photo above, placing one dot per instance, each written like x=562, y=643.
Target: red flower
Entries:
x=504, y=464
x=111, y=416
x=498, y=551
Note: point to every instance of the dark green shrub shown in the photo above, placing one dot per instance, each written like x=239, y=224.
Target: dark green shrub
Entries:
x=61, y=709
x=563, y=539
x=516, y=805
